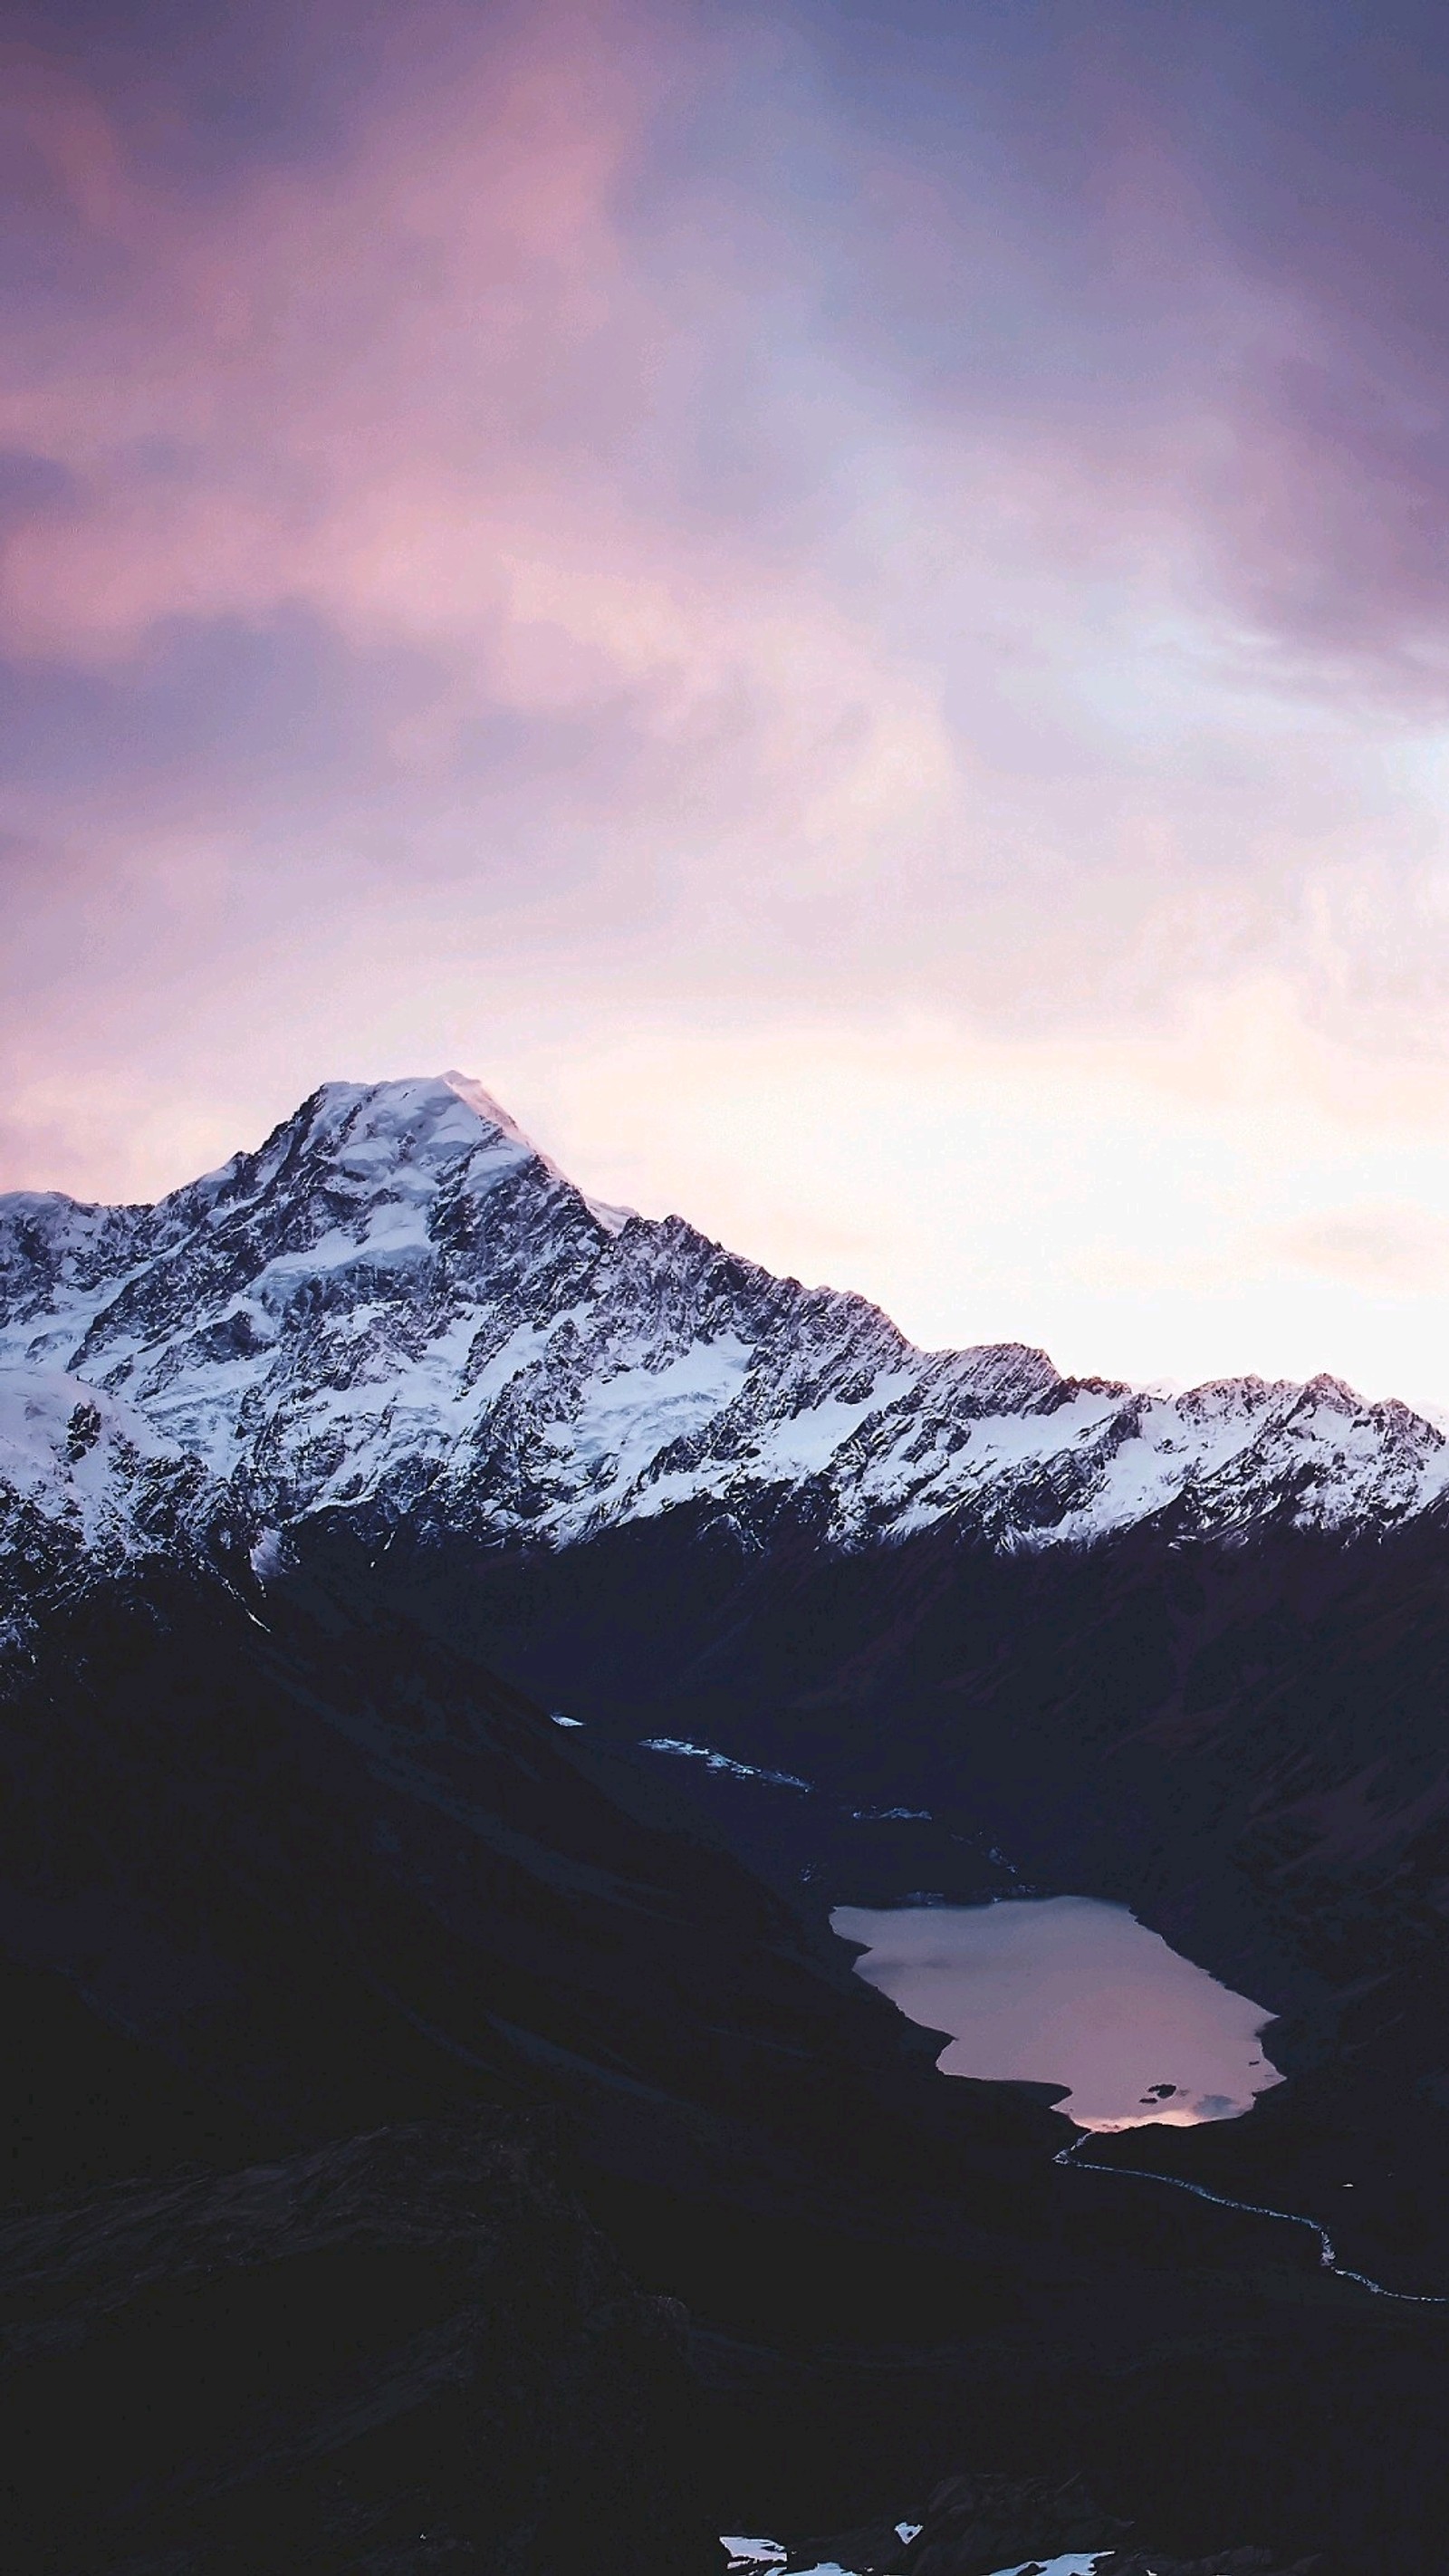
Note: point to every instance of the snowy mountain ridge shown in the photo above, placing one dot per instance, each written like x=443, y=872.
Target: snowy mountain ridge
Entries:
x=397, y=1305
x=88, y=1486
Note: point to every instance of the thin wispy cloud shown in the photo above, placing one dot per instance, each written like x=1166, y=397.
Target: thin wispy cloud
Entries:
x=530, y=531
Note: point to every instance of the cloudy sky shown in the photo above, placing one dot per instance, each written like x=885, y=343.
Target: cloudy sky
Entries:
x=846, y=603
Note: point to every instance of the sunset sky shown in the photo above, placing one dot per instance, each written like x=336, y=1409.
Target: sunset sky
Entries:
x=849, y=605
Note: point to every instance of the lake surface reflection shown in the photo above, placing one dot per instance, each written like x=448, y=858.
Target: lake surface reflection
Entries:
x=1066, y=1990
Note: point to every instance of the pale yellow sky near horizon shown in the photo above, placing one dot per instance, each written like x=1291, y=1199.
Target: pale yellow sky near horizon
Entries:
x=1229, y=1195
x=867, y=653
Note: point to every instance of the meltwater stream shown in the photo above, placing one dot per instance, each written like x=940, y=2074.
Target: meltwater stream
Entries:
x=1067, y=1990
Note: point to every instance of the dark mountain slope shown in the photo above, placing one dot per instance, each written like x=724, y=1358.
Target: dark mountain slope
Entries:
x=1248, y=1744
x=1288, y=1696
x=395, y=2352
x=264, y=1887
x=322, y=1877
x=291, y=1468
x=332, y=1876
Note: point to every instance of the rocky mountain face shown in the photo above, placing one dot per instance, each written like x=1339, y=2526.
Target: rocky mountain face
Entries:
x=1184, y=1651
x=89, y=1488
x=398, y=1308
x=321, y=1484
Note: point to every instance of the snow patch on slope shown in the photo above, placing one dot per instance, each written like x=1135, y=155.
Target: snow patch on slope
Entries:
x=398, y=1301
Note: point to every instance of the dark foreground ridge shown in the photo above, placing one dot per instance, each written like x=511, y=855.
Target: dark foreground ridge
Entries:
x=293, y=1895
x=320, y=1484
x=408, y=2350
x=977, y=2525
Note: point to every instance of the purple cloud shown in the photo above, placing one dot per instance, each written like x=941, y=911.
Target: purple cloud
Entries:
x=829, y=511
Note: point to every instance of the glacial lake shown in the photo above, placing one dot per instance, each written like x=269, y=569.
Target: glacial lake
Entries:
x=1067, y=1990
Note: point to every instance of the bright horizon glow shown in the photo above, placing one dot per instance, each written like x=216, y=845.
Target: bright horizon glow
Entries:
x=1110, y=1202
x=845, y=605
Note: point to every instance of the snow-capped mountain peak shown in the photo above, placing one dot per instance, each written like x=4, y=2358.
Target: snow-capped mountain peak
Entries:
x=397, y=1304
x=484, y=1107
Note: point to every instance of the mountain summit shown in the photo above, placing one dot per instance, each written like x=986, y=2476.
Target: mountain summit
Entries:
x=398, y=1305
x=297, y=1878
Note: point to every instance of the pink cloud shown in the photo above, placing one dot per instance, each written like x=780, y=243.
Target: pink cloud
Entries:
x=338, y=361
x=484, y=542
